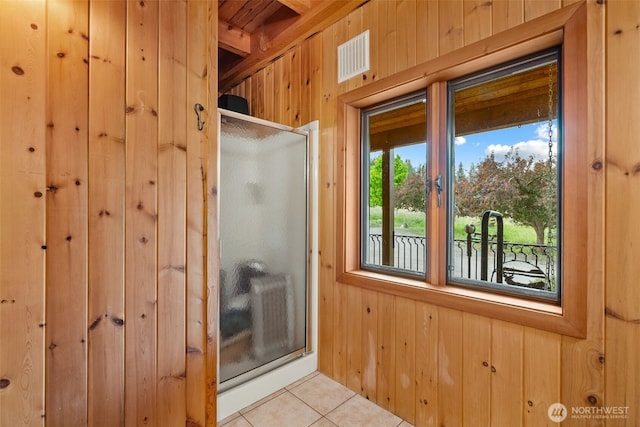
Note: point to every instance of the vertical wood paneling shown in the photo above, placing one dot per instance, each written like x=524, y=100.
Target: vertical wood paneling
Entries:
x=280, y=80
x=623, y=157
x=369, y=342
x=426, y=30
x=258, y=94
x=370, y=22
x=66, y=245
x=451, y=30
x=427, y=349
x=450, y=378
x=141, y=213
x=295, y=86
x=196, y=251
x=304, y=85
x=22, y=212
x=506, y=14
x=541, y=382
x=340, y=333
x=172, y=147
x=269, y=88
x=406, y=35
x=80, y=154
x=476, y=370
x=405, y=385
x=341, y=35
x=386, y=38
x=506, y=374
x=326, y=196
x=586, y=387
x=536, y=8
x=211, y=203
x=477, y=20
x=311, y=79
x=386, y=357
x=340, y=311
x=106, y=213
x=353, y=325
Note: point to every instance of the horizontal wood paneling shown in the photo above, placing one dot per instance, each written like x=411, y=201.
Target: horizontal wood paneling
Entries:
x=102, y=212
x=471, y=370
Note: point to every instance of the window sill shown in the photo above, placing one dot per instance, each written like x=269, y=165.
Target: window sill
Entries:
x=529, y=313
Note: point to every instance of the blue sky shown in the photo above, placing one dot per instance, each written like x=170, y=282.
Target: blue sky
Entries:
x=531, y=139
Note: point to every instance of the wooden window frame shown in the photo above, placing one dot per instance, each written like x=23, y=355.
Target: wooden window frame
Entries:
x=566, y=27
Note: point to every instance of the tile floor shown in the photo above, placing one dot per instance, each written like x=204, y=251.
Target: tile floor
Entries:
x=315, y=401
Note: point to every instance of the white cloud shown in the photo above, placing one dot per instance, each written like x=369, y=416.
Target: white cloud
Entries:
x=460, y=140
x=537, y=148
x=542, y=132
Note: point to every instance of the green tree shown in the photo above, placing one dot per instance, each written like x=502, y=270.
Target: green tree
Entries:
x=521, y=188
x=400, y=169
x=411, y=194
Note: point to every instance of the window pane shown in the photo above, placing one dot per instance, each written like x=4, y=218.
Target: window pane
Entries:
x=394, y=175
x=503, y=178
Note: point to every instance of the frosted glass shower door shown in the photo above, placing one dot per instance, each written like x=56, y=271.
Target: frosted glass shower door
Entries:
x=263, y=196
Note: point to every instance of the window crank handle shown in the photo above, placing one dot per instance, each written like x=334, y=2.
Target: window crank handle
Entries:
x=438, y=183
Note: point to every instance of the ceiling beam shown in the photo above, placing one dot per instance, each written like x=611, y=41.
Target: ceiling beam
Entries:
x=298, y=6
x=234, y=39
x=399, y=137
x=318, y=18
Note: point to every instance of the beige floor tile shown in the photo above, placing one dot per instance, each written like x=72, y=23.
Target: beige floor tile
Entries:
x=262, y=401
x=323, y=422
x=301, y=380
x=229, y=419
x=283, y=410
x=238, y=421
x=322, y=393
x=359, y=412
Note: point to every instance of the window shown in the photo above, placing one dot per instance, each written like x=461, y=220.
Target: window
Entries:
x=393, y=192
x=520, y=78
x=503, y=178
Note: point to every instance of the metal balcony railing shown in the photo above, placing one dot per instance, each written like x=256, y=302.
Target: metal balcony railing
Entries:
x=533, y=265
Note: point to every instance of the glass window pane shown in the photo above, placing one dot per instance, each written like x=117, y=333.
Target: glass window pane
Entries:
x=394, y=169
x=503, y=177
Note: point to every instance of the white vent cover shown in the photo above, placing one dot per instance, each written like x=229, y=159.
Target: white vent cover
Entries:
x=353, y=57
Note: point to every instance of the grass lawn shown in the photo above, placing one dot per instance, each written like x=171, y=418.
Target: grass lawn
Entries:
x=409, y=222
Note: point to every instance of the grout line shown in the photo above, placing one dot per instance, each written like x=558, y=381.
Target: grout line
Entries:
x=261, y=401
x=267, y=399
x=311, y=407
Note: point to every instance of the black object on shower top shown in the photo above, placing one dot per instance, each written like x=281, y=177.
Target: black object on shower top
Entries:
x=234, y=103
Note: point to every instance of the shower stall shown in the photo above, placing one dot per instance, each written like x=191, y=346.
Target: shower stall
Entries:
x=267, y=271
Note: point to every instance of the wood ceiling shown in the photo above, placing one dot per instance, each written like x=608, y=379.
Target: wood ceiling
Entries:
x=508, y=101
x=251, y=33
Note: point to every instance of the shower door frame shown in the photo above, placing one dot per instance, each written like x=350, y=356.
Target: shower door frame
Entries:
x=241, y=391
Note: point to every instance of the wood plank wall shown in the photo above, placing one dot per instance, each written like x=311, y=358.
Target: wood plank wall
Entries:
x=437, y=366
x=103, y=212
